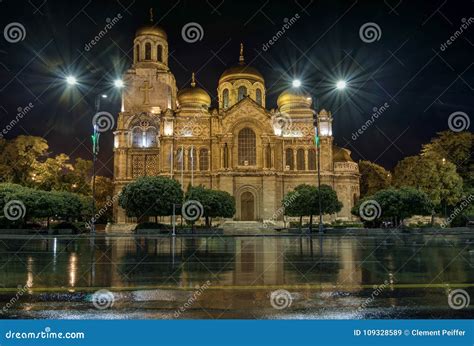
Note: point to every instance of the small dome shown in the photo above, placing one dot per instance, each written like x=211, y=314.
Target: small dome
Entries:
x=241, y=71
x=194, y=96
x=341, y=154
x=151, y=30
x=295, y=98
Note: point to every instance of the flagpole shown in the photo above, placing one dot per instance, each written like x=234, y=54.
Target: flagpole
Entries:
x=318, y=151
x=172, y=161
x=182, y=167
x=192, y=165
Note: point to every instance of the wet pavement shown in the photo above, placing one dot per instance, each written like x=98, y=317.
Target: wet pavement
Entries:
x=328, y=277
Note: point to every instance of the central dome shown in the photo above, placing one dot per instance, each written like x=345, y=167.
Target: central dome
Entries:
x=241, y=71
x=194, y=96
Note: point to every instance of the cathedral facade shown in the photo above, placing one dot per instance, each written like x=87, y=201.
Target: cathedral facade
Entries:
x=240, y=146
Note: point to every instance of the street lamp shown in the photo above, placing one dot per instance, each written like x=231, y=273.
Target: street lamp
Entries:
x=71, y=80
x=296, y=83
x=118, y=84
x=340, y=85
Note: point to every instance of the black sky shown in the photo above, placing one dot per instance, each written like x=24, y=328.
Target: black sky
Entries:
x=405, y=68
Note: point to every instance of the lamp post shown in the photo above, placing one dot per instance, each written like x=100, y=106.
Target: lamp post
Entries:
x=118, y=83
x=340, y=85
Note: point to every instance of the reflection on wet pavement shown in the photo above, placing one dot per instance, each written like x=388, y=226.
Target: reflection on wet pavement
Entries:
x=347, y=277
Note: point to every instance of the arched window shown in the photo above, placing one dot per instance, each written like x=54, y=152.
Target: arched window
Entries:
x=241, y=93
x=312, y=159
x=137, y=137
x=144, y=138
x=300, y=160
x=268, y=156
x=179, y=160
x=159, y=53
x=226, y=156
x=149, y=138
x=258, y=97
x=203, y=159
x=137, y=52
x=192, y=163
x=289, y=159
x=247, y=147
x=225, y=98
x=148, y=51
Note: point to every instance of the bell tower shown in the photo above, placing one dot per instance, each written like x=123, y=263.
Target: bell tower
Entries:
x=150, y=85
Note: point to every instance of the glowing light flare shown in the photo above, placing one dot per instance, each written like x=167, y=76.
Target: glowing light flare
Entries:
x=341, y=85
x=118, y=83
x=71, y=80
x=296, y=83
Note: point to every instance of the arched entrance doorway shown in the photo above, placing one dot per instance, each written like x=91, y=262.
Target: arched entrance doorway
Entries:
x=247, y=206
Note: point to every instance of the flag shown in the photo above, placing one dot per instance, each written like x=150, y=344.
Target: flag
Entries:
x=316, y=137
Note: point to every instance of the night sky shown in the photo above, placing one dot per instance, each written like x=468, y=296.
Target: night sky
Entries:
x=405, y=68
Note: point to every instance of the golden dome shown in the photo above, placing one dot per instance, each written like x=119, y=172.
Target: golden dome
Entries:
x=194, y=95
x=151, y=30
x=241, y=71
x=295, y=98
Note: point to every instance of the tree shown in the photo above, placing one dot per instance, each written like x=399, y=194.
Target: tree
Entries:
x=215, y=203
x=372, y=178
x=150, y=196
x=396, y=204
x=456, y=147
x=20, y=158
x=304, y=201
x=434, y=176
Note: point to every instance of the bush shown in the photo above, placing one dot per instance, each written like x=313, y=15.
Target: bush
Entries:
x=152, y=225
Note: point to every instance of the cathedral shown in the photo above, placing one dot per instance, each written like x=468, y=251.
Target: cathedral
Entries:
x=239, y=146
